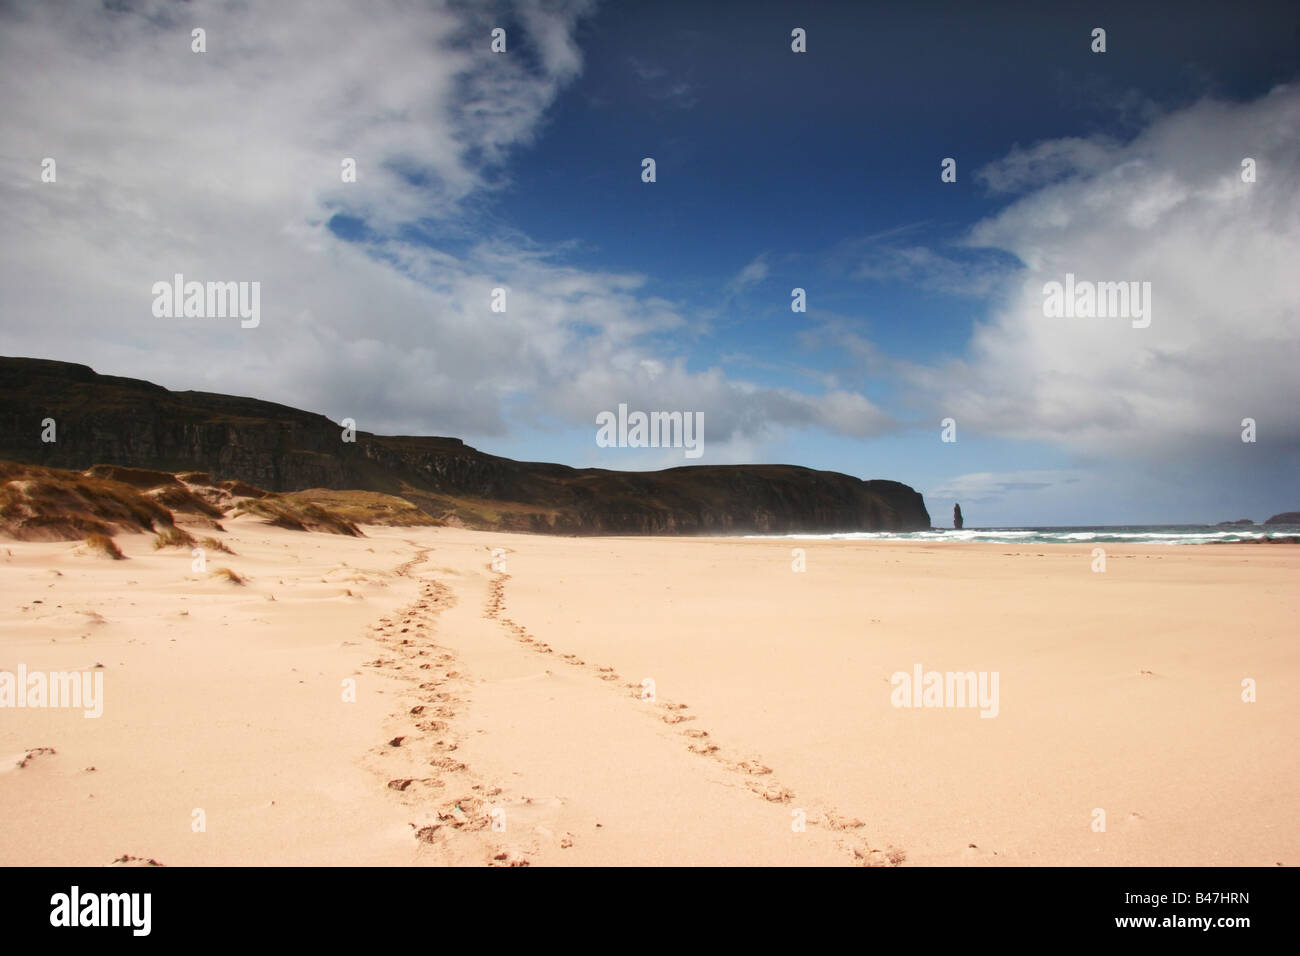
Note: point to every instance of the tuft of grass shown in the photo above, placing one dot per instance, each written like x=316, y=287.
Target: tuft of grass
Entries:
x=172, y=538
x=213, y=544
x=105, y=546
x=297, y=515
x=229, y=575
x=177, y=497
x=241, y=489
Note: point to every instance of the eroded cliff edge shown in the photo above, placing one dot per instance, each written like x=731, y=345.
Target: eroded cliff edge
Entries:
x=105, y=419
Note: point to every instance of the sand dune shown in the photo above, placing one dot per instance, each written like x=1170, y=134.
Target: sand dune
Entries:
x=503, y=712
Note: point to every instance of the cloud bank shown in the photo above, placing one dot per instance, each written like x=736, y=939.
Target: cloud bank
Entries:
x=226, y=165
x=1170, y=208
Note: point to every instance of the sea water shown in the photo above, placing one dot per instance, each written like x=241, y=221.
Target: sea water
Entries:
x=1102, y=534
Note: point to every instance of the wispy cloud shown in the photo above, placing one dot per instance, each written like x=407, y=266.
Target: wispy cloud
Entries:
x=754, y=272
x=988, y=488
x=1046, y=162
x=972, y=274
x=661, y=84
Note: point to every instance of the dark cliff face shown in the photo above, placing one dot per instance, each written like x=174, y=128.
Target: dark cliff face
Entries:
x=103, y=419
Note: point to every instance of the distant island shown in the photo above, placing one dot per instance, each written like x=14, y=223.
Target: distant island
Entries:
x=1286, y=517
x=110, y=420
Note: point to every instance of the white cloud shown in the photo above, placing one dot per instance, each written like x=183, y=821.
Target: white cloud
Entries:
x=1168, y=208
x=969, y=273
x=995, y=487
x=1045, y=162
x=226, y=166
x=754, y=272
x=736, y=412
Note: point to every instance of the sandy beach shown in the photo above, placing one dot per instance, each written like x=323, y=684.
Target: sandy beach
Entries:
x=395, y=699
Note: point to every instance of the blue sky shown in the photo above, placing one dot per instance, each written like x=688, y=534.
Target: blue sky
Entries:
x=775, y=170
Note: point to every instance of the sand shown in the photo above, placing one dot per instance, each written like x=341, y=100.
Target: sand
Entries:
x=499, y=717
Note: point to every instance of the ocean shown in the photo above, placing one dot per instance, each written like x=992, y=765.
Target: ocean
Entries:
x=1101, y=534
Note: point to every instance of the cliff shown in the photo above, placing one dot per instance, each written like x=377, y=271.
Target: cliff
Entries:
x=105, y=419
x=1286, y=517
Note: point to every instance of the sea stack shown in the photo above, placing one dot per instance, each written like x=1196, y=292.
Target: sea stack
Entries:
x=956, y=516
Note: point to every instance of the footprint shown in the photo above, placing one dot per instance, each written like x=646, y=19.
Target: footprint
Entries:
x=33, y=754
x=890, y=856
x=427, y=834
x=837, y=822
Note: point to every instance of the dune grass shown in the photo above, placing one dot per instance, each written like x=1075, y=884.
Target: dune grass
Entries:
x=103, y=544
x=297, y=514
x=213, y=544
x=51, y=504
x=172, y=538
